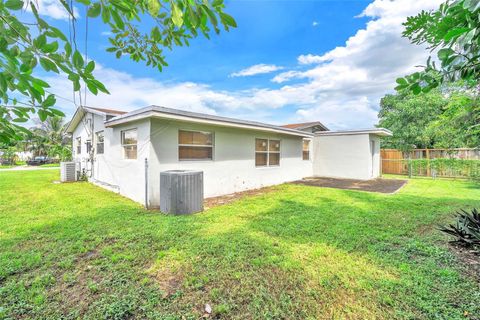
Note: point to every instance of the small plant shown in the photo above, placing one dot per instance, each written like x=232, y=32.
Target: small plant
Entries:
x=466, y=230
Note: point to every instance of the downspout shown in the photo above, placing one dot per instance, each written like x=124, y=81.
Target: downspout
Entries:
x=146, y=183
x=92, y=147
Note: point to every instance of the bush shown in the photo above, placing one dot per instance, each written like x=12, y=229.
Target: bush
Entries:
x=466, y=230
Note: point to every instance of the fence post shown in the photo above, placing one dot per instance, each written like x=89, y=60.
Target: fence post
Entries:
x=427, y=153
x=409, y=161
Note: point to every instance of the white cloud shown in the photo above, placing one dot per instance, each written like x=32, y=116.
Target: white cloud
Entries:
x=309, y=59
x=53, y=9
x=314, y=23
x=106, y=33
x=341, y=87
x=256, y=69
x=287, y=75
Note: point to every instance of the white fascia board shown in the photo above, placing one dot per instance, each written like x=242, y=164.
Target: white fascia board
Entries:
x=382, y=132
x=160, y=115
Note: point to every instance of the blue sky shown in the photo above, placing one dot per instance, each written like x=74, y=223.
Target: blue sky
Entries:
x=326, y=60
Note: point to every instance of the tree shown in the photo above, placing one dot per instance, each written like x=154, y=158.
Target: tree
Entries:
x=141, y=30
x=442, y=118
x=49, y=138
x=408, y=117
x=453, y=33
x=459, y=123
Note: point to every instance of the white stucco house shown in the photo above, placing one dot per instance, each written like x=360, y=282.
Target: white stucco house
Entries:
x=126, y=151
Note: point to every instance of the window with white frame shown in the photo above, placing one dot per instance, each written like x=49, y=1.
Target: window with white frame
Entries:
x=129, y=143
x=195, y=145
x=267, y=152
x=79, y=145
x=100, y=142
x=306, y=149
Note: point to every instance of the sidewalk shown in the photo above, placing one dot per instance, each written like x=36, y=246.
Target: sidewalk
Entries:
x=28, y=168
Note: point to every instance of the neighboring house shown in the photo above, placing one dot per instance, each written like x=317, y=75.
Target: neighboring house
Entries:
x=127, y=151
x=307, y=126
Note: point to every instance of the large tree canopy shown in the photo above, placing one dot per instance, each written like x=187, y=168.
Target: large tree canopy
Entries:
x=453, y=33
x=140, y=29
x=447, y=118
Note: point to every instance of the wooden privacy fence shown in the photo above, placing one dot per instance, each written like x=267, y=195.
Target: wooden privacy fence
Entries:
x=462, y=163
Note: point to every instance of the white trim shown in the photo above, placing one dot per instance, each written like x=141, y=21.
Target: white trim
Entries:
x=376, y=131
x=149, y=113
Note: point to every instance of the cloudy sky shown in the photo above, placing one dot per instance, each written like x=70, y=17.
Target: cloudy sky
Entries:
x=288, y=61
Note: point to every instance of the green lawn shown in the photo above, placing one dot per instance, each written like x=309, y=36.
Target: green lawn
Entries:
x=78, y=251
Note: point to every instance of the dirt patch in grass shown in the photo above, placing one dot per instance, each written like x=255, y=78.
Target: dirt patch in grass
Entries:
x=221, y=200
x=376, y=185
x=469, y=258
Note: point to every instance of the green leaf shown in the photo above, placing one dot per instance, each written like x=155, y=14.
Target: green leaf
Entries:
x=42, y=114
x=118, y=20
x=78, y=60
x=106, y=15
x=57, y=112
x=227, y=19
x=50, y=47
x=454, y=33
x=48, y=65
x=100, y=86
x=14, y=4
x=153, y=7
x=94, y=10
x=416, y=89
x=49, y=101
x=90, y=67
x=444, y=53
x=92, y=88
x=177, y=15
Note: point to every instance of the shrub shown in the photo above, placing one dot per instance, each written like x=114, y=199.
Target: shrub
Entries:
x=466, y=230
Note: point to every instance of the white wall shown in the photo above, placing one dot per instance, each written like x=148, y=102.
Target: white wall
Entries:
x=125, y=176
x=376, y=163
x=346, y=156
x=233, y=168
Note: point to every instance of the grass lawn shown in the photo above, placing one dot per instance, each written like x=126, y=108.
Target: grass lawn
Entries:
x=78, y=251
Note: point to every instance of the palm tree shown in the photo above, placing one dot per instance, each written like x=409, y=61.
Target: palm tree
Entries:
x=49, y=138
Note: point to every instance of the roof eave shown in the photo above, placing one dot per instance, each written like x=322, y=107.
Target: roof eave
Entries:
x=151, y=113
x=382, y=132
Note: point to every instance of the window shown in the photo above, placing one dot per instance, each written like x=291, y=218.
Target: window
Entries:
x=100, y=139
x=129, y=144
x=79, y=145
x=267, y=152
x=306, y=149
x=89, y=145
x=195, y=145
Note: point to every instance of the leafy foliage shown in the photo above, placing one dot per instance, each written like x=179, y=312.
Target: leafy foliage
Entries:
x=452, y=32
x=48, y=138
x=442, y=118
x=141, y=30
x=448, y=167
x=408, y=117
x=466, y=229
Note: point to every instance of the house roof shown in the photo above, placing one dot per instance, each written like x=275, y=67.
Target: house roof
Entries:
x=382, y=132
x=303, y=125
x=188, y=116
x=108, y=111
x=80, y=112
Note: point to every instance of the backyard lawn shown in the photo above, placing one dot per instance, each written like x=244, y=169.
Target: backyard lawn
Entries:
x=298, y=252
